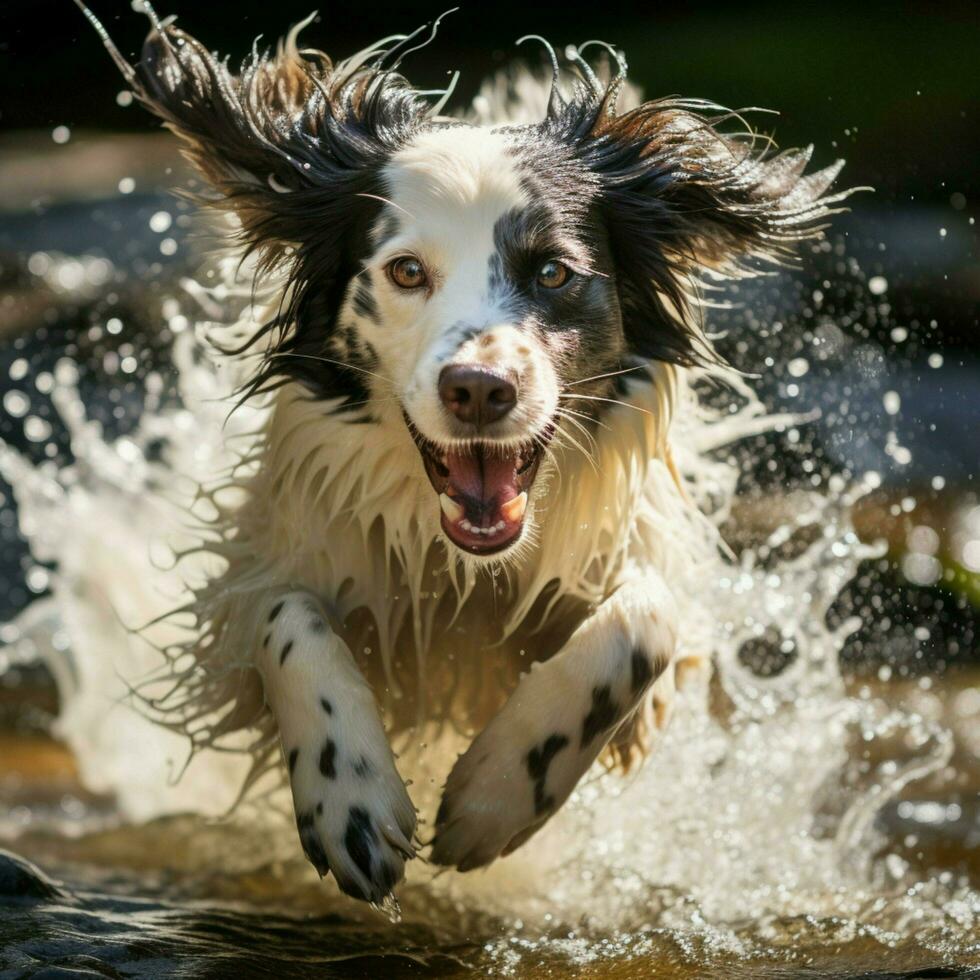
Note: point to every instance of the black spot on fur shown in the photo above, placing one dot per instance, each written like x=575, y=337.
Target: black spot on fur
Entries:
x=319, y=809
x=326, y=705
x=458, y=334
x=312, y=847
x=442, y=815
x=265, y=641
x=360, y=839
x=538, y=761
x=317, y=623
x=363, y=300
x=328, y=759
x=386, y=228
x=603, y=715
x=276, y=609
x=293, y=756
x=285, y=652
x=495, y=272
x=640, y=671
x=636, y=371
x=387, y=878
x=363, y=767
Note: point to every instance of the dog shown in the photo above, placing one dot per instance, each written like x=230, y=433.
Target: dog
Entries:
x=461, y=508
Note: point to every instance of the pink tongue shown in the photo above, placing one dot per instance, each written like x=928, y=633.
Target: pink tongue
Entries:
x=484, y=481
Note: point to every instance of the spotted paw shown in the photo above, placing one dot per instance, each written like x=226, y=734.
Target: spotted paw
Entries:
x=358, y=826
x=353, y=812
x=501, y=791
x=527, y=761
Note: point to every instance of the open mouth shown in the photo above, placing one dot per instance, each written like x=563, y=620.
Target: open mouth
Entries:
x=483, y=489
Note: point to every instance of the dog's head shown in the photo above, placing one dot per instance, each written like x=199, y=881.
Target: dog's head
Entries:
x=484, y=287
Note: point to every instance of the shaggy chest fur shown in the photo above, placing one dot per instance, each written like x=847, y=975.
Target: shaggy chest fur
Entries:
x=346, y=512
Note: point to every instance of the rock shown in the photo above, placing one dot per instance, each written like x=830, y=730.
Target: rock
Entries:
x=21, y=881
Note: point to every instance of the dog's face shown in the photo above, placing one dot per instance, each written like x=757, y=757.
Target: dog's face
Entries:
x=485, y=301
x=493, y=284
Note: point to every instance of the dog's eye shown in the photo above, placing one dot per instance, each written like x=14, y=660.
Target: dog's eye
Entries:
x=407, y=272
x=553, y=274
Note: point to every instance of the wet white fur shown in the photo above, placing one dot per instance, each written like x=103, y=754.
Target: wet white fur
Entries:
x=448, y=189
x=345, y=514
x=316, y=693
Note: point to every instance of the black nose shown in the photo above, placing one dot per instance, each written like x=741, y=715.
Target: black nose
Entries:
x=474, y=394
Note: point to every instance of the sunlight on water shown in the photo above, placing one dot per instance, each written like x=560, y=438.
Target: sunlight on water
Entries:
x=753, y=820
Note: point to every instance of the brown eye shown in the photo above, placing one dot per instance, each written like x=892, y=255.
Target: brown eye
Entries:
x=553, y=274
x=407, y=272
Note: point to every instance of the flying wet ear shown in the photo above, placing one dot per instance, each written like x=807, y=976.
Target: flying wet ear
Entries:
x=292, y=143
x=682, y=189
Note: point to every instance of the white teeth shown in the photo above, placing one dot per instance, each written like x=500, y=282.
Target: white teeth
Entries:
x=450, y=508
x=514, y=509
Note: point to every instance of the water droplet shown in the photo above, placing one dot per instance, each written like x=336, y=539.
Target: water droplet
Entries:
x=160, y=221
x=36, y=429
x=16, y=403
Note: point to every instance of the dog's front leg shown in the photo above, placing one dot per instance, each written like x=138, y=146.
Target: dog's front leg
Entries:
x=526, y=762
x=352, y=809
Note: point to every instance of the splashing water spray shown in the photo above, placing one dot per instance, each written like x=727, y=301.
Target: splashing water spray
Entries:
x=754, y=810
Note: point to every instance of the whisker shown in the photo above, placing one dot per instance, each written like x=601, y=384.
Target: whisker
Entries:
x=593, y=450
x=371, y=401
x=585, y=452
x=330, y=360
x=567, y=414
x=609, y=374
x=612, y=401
x=582, y=415
x=384, y=200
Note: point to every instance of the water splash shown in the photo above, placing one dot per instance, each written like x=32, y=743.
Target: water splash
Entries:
x=756, y=814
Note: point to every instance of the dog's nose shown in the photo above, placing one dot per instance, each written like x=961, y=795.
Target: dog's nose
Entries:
x=474, y=394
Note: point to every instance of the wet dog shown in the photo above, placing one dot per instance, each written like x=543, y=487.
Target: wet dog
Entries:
x=462, y=506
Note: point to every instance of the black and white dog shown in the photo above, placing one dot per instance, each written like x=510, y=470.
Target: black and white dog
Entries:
x=461, y=506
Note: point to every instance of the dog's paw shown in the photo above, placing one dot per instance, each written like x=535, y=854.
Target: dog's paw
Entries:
x=501, y=791
x=354, y=817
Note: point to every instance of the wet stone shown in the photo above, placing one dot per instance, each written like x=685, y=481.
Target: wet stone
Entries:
x=21, y=881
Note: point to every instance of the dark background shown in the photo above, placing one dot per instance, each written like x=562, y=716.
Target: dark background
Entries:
x=893, y=88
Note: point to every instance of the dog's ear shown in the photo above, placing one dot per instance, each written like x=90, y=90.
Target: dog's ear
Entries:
x=290, y=142
x=680, y=198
